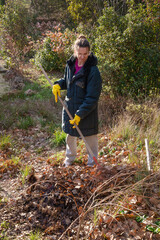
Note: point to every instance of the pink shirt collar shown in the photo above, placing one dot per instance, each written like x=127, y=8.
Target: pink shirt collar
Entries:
x=77, y=67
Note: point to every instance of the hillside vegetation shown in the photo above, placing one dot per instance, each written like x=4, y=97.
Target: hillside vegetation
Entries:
x=39, y=198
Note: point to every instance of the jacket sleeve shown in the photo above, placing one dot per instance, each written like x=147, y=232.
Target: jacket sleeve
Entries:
x=62, y=82
x=93, y=90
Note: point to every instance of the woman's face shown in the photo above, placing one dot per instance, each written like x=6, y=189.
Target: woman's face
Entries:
x=82, y=54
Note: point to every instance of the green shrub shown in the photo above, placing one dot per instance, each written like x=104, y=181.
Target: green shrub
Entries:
x=54, y=50
x=47, y=57
x=85, y=11
x=17, y=29
x=127, y=48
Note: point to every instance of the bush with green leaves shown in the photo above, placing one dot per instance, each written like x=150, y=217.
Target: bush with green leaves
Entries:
x=85, y=10
x=14, y=19
x=54, y=50
x=16, y=31
x=47, y=57
x=127, y=49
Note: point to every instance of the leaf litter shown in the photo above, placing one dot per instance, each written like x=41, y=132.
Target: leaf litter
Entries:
x=114, y=202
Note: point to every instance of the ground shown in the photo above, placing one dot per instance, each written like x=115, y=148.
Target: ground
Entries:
x=105, y=202
x=41, y=199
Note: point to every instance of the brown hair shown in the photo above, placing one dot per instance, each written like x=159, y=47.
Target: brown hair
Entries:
x=81, y=41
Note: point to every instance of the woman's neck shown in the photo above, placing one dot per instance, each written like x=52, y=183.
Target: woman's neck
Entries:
x=80, y=64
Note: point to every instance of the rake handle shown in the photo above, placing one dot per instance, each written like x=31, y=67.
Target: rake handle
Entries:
x=70, y=116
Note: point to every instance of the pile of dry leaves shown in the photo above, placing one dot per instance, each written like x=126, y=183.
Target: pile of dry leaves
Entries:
x=116, y=201
x=85, y=203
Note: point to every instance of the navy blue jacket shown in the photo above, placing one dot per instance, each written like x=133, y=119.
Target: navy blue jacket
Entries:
x=83, y=91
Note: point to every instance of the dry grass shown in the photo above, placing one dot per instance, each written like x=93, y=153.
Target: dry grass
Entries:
x=109, y=110
x=133, y=123
x=113, y=196
x=143, y=119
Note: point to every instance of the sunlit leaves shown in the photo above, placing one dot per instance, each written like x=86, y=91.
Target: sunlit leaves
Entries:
x=83, y=11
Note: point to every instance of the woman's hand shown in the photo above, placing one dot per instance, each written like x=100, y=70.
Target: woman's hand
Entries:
x=76, y=120
x=56, y=91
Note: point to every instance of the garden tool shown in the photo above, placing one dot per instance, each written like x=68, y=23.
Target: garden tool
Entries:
x=71, y=118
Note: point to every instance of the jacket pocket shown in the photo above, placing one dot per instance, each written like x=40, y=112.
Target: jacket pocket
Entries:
x=80, y=90
x=80, y=84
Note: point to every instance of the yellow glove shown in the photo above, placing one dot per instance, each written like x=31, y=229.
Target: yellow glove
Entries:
x=56, y=91
x=76, y=120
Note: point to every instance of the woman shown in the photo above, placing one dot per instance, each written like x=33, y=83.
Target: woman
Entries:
x=83, y=83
